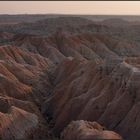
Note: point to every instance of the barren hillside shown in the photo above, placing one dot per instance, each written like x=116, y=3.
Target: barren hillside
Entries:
x=70, y=77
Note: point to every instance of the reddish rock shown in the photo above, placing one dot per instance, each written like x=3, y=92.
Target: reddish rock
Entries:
x=84, y=130
x=17, y=124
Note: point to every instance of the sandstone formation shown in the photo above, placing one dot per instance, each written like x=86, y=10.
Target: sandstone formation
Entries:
x=16, y=124
x=84, y=130
x=71, y=69
x=19, y=71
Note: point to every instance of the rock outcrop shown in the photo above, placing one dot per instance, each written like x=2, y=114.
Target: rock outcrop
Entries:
x=19, y=72
x=84, y=130
x=17, y=124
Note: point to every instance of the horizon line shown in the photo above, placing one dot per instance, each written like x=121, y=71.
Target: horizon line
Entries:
x=70, y=14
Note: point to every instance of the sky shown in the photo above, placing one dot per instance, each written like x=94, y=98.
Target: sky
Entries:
x=71, y=7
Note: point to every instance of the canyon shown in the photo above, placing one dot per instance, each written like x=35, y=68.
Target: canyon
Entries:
x=70, y=77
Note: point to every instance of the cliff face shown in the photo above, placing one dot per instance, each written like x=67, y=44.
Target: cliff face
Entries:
x=95, y=93
x=84, y=71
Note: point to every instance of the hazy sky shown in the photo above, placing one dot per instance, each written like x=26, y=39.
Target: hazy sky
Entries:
x=70, y=7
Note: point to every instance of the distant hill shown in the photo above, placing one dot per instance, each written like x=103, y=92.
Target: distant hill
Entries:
x=12, y=19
